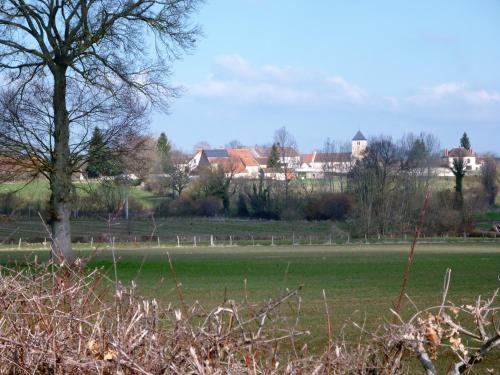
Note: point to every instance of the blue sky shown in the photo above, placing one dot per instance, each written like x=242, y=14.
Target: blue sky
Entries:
x=328, y=68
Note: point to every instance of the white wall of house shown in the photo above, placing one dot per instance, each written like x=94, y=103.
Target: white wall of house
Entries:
x=470, y=162
x=195, y=161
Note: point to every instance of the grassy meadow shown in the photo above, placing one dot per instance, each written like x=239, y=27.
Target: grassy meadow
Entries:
x=360, y=281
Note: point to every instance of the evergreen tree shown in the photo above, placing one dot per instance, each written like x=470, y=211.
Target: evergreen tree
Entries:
x=465, y=142
x=417, y=154
x=164, y=148
x=95, y=155
x=274, y=157
x=458, y=169
x=101, y=161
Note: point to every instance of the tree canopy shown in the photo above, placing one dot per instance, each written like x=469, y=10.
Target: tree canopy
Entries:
x=100, y=159
x=465, y=142
x=74, y=65
x=164, y=149
x=274, y=157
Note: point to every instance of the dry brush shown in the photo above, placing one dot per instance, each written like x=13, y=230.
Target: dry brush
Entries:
x=60, y=320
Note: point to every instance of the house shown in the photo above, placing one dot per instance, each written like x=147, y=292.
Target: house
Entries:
x=245, y=157
x=318, y=164
x=238, y=162
x=471, y=161
x=246, y=162
x=289, y=156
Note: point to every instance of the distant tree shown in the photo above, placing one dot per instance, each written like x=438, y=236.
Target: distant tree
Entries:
x=489, y=179
x=234, y=144
x=178, y=172
x=287, y=146
x=274, y=157
x=417, y=153
x=202, y=145
x=216, y=182
x=260, y=199
x=329, y=157
x=95, y=154
x=465, y=142
x=458, y=170
x=101, y=161
x=373, y=181
x=164, y=148
x=345, y=164
x=242, y=205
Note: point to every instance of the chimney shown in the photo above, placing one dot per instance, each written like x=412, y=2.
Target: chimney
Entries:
x=446, y=152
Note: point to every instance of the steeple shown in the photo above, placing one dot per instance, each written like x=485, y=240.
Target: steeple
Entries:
x=358, y=145
x=359, y=136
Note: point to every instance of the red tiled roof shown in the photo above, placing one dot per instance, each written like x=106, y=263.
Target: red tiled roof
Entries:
x=308, y=158
x=245, y=155
x=230, y=165
x=460, y=152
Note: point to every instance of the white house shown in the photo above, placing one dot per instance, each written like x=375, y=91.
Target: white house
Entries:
x=469, y=157
x=317, y=164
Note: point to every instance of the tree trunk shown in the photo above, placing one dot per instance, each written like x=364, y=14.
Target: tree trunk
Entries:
x=60, y=176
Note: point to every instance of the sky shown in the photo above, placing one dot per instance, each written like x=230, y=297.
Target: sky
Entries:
x=327, y=68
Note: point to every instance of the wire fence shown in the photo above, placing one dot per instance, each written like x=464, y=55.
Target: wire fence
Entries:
x=248, y=240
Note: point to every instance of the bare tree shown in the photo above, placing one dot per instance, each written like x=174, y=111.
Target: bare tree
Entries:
x=234, y=143
x=329, y=155
x=489, y=179
x=179, y=172
x=345, y=164
x=417, y=155
x=202, y=145
x=288, y=157
x=87, y=57
x=373, y=181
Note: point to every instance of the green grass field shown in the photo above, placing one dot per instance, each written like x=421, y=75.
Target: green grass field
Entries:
x=360, y=281
x=37, y=192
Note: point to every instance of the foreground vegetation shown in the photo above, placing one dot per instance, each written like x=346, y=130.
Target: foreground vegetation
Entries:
x=360, y=283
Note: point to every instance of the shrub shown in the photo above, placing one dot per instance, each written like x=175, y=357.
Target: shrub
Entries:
x=182, y=206
x=443, y=214
x=209, y=206
x=242, y=206
x=9, y=202
x=73, y=321
x=328, y=206
x=291, y=214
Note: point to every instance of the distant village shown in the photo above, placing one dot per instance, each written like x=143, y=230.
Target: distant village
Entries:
x=249, y=162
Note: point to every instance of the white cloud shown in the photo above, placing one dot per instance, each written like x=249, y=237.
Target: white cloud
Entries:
x=352, y=91
x=236, y=79
x=251, y=93
x=234, y=65
x=457, y=93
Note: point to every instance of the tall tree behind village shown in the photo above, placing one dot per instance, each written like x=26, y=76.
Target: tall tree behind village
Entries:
x=74, y=65
x=287, y=146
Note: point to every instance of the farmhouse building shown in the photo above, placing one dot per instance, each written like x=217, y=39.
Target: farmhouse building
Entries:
x=471, y=161
x=319, y=164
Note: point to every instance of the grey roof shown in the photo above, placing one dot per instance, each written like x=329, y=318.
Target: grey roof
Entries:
x=216, y=153
x=359, y=136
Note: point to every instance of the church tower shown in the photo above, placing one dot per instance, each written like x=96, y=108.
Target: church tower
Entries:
x=358, y=145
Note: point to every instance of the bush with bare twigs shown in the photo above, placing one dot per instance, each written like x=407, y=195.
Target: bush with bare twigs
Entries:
x=57, y=320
